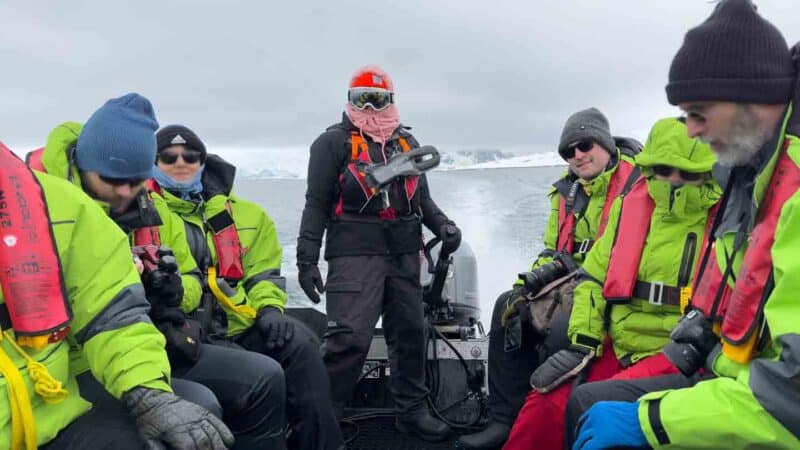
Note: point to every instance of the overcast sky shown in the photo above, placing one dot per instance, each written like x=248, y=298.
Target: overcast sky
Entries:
x=468, y=73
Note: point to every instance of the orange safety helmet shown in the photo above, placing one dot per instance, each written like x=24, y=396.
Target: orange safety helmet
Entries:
x=371, y=76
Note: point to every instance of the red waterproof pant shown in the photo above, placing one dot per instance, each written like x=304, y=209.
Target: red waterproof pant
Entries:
x=540, y=423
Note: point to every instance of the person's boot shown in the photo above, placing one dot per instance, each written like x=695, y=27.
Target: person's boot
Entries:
x=491, y=438
x=423, y=425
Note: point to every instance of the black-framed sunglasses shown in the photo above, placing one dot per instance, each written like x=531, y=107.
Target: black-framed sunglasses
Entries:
x=132, y=182
x=667, y=171
x=189, y=156
x=583, y=146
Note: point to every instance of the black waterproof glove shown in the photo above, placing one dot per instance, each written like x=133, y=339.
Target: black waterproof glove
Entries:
x=560, y=367
x=163, y=286
x=276, y=328
x=164, y=419
x=450, y=235
x=310, y=280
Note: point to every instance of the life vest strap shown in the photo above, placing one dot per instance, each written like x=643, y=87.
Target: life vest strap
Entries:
x=657, y=293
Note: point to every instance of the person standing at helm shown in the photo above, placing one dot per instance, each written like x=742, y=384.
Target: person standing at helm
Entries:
x=632, y=283
x=600, y=167
x=235, y=244
x=372, y=247
x=738, y=345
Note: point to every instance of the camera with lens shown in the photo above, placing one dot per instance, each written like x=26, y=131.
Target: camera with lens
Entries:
x=692, y=340
x=561, y=265
x=160, y=277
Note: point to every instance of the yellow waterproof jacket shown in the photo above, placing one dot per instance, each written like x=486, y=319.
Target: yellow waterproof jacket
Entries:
x=110, y=330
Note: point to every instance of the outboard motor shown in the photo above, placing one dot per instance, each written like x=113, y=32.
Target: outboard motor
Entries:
x=450, y=289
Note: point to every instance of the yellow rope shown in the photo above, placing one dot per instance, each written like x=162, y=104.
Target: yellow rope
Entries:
x=50, y=389
x=23, y=428
x=245, y=310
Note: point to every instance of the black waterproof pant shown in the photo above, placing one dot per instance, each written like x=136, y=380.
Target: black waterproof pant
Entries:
x=510, y=370
x=251, y=390
x=586, y=395
x=107, y=426
x=361, y=289
x=309, y=407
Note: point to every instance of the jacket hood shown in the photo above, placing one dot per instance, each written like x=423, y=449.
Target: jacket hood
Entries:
x=58, y=152
x=218, y=177
x=668, y=144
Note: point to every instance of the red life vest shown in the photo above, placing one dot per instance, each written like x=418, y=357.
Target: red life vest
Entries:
x=742, y=308
x=226, y=239
x=567, y=221
x=354, y=175
x=626, y=254
x=30, y=271
x=34, y=160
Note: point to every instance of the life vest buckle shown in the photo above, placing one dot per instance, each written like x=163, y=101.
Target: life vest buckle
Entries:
x=584, y=247
x=653, y=298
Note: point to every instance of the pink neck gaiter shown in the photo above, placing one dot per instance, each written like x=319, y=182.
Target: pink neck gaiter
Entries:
x=379, y=125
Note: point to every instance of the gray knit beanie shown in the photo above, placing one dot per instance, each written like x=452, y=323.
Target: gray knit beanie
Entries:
x=587, y=124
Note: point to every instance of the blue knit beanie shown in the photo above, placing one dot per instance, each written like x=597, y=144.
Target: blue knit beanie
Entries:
x=119, y=139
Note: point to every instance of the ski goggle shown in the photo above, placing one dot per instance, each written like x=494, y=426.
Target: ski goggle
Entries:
x=584, y=146
x=377, y=98
x=117, y=182
x=189, y=157
x=667, y=171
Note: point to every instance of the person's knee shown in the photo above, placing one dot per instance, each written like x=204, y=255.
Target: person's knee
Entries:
x=345, y=341
x=581, y=399
x=268, y=374
x=500, y=306
x=197, y=394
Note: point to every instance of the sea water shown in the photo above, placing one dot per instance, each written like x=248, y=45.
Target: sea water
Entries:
x=502, y=212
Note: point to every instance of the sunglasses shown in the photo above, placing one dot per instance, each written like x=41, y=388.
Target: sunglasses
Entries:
x=132, y=182
x=377, y=98
x=667, y=171
x=189, y=157
x=584, y=146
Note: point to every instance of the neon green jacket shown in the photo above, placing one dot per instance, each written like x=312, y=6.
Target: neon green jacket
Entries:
x=57, y=162
x=110, y=330
x=587, y=224
x=677, y=226
x=262, y=284
x=755, y=405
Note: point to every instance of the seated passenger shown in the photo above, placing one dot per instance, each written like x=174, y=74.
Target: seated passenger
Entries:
x=734, y=77
x=110, y=157
x=69, y=292
x=600, y=167
x=629, y=297
x=236, y=246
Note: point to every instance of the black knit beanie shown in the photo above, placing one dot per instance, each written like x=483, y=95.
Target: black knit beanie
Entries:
x=735, y=56
x=591, y=124
x=180, y=135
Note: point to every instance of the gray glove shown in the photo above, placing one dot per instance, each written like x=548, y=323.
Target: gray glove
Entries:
x=560, y=367
x=164, y=420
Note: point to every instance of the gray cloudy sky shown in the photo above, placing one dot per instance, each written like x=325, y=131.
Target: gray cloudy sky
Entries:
x=468, y=73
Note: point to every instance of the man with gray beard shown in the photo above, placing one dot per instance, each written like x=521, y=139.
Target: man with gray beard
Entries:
x=738, y=344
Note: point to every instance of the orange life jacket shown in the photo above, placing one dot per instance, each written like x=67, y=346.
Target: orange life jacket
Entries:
x=30, y=271
x=226, y=239
x=34, y=160
x=355, y=193
x=741, y=309
x=622, y=282
x=567, y=221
